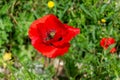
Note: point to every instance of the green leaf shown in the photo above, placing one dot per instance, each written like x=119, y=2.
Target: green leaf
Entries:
x=103, y=8
x=85, y=10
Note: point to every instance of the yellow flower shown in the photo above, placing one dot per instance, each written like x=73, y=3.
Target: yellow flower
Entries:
x=7, y=56
x=51, y=4
x=103, y=20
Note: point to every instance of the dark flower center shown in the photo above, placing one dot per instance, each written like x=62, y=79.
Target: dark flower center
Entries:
x=59, y=39
x=50, y=35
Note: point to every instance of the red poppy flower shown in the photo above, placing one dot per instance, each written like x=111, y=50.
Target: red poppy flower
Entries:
x=51, y=37
x=106, y=42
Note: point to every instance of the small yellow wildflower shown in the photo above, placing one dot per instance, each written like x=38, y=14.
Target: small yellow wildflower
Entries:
x=103, y=20
x=7, y=56
x=51, y=4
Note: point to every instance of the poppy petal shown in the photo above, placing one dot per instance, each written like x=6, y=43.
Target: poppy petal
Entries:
x=70, y=33
x=50, y=51
x=33, y=27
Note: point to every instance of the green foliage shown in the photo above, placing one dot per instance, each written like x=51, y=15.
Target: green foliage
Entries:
x=86, y=60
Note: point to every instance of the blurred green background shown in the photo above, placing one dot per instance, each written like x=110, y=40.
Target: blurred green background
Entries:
x=85, y=60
